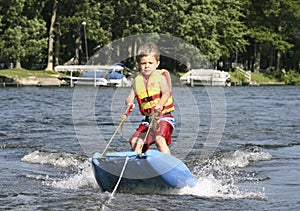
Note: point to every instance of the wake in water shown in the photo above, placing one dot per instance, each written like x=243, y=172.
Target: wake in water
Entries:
x=223, y=177
x=219, y=177
x=80, y=169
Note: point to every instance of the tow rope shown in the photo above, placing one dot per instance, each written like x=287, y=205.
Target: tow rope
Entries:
x=117, y=184
x=154, y=114
x=120, y=177
x=123, y=118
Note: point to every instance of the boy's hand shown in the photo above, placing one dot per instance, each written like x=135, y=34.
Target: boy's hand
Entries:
x=157, y=114
x=158, y=107
x=131, y=106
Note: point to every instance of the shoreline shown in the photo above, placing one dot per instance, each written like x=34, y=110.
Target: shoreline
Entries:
x=32, y=81
x=16, y=78
x=56, y=82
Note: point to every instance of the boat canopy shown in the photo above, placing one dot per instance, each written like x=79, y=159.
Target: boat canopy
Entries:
x=107, y=75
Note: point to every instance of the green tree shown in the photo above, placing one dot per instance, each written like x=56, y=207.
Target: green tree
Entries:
x=200, y=28
x=266, y=33
x=231, y=29
x=51, y=35
x=97, y=16
x=214, y=27
x=291, y=23
x=270, y=23
x=2, y=42
x=136, y=17
x=23, y=31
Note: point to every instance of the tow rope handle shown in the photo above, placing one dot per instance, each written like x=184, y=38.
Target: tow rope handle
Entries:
x=154, y=114
x=124, y=117
x=127, y=112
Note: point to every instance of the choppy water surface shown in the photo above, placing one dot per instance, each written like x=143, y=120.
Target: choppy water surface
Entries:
x=45, y=163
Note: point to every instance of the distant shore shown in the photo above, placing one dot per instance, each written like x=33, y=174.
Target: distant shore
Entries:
x=23, y=77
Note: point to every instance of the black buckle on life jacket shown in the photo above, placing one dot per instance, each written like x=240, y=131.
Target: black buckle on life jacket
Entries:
x=149, y=98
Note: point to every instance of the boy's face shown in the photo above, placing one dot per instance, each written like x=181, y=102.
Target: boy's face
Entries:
x=148, y=65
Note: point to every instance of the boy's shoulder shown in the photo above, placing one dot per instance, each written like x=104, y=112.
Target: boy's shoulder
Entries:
x=162, y=70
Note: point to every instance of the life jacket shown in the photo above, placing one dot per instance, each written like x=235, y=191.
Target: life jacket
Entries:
x=149, y=94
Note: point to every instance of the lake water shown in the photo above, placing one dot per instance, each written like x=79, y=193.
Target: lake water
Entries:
x=241, y=143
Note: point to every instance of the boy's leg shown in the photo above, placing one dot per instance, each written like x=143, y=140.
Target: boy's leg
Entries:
x=136, y=144
x=137, y=141
x=162, y=145
x=163, y=136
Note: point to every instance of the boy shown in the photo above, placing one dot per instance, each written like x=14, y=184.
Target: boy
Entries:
x=153, y=90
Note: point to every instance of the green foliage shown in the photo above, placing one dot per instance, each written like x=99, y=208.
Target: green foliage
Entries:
x=290, y=77
x=201, y=30
x=24, y=73
x=231, y=30
x=265, y=32
x=258, y=77
x=98, y=16
x=23, y=32
x=273, y=29
x=237, y=76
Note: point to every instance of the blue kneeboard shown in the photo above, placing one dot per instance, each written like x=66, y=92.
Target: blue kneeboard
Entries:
x=150, y=169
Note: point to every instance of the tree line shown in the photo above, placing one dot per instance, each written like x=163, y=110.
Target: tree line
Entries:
x=259, y=34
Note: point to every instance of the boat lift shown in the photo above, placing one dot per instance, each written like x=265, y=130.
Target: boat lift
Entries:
x=85, y=68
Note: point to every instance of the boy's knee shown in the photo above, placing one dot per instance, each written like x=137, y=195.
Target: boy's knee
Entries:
x=160, y=140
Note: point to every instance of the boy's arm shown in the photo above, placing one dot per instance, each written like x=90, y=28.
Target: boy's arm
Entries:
x=130, y=99
x=166, y=89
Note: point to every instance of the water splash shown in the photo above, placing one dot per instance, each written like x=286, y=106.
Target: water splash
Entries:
x=218, y=177
x=80, y=172
x=242, y=158
x=56, y=159
x=222, y=176
x=212, y=187
x=83, y=178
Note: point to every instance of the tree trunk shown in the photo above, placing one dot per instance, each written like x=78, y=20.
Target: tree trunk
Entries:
x=278, y=57
x=78, y=49
x=18, y=64
x=278, y=60
x=51, y=37
x=257, y=57
x=270, y=65
x=57, y=45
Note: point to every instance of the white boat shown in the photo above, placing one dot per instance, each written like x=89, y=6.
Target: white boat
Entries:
x=206, y=77
x=90, y=81
x=96, y=75
x=98, y=78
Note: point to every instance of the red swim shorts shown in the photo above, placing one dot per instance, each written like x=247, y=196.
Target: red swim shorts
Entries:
x=162, y=128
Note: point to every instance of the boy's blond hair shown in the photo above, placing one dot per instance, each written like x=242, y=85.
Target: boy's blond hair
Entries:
x=148, y=49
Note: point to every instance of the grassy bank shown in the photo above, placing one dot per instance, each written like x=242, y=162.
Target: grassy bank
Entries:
x=23, y=73
x=275, y=77
x=256, y=78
